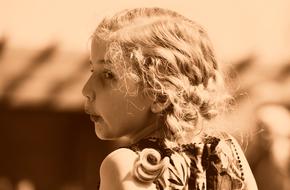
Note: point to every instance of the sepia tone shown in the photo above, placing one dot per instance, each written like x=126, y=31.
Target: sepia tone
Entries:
x=48, y=142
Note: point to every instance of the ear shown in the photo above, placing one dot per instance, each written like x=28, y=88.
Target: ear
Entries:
x=157, y=107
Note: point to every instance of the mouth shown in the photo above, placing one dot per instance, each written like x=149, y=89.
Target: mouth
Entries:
x=95, y=118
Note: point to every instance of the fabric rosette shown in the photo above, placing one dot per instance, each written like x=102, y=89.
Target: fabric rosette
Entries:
x=149, y=165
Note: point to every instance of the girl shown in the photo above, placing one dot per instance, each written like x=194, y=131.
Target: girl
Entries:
x=155, y=81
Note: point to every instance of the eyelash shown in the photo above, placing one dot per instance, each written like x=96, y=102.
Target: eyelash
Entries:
x=108, y=74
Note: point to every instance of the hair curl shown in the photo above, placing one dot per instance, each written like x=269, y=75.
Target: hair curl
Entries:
x=172, y=59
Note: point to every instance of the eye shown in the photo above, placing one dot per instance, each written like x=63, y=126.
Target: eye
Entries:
x=108, y=74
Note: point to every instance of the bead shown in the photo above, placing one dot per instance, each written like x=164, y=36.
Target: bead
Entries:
x=238, y=160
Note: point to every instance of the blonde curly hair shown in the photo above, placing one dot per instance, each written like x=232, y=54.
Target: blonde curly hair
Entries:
x=172, y=59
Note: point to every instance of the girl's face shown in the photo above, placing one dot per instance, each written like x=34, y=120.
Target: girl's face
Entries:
x=113, y=109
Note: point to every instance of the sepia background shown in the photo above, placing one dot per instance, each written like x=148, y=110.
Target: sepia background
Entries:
x=46, y=140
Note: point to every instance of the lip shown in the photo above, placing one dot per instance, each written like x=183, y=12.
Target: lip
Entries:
x=95, y=118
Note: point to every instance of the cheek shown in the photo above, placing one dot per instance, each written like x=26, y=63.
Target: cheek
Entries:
x=117, y=109
x=124, y=112
x=112, y=107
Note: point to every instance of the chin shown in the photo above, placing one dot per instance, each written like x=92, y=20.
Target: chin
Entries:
x=101, y=136
x=100, y=132
x=104, y=135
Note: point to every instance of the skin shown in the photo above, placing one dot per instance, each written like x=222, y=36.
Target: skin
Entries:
x=121, y=114
x=125, y=115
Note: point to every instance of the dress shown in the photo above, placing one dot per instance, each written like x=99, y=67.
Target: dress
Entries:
x=212, y=164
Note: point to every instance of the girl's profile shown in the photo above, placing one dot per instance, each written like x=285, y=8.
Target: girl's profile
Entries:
x=155, y=81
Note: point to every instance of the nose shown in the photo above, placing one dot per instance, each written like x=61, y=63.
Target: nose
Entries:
x=87, y=91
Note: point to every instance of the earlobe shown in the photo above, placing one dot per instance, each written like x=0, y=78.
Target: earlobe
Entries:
x=158, y=107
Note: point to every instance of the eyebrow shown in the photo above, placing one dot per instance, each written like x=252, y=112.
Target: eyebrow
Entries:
x=102, y=61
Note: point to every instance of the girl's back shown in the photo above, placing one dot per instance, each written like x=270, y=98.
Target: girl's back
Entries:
x=214, y=163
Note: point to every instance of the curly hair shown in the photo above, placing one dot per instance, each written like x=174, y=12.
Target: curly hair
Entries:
x=172, y=59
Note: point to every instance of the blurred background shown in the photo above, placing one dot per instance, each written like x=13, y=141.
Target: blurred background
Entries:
x=46, y=140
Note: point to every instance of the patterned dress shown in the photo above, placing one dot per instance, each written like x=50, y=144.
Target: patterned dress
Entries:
x=213, y=164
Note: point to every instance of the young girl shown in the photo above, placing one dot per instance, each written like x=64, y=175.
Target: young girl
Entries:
x=155, y=81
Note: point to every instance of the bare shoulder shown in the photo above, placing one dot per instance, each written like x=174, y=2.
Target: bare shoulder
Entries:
x=120, y=159
x=248, y=175
x=116, y=171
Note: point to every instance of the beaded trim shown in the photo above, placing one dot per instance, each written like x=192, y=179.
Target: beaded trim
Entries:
x=241, y=175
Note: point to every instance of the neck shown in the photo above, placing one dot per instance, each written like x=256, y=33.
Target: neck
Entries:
x=153, y=130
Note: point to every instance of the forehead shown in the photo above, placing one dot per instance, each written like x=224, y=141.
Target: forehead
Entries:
x=98, y=50
x=99, y=56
